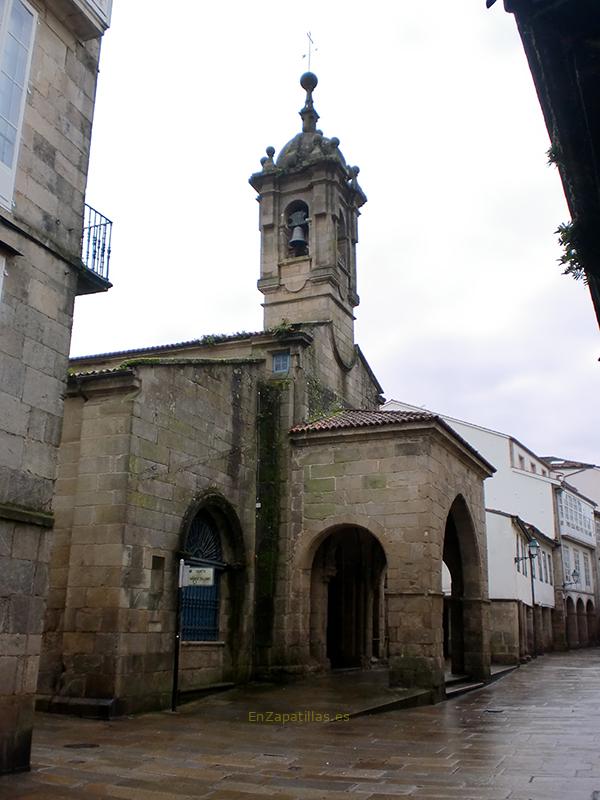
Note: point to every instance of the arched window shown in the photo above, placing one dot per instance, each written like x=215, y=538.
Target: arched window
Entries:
x=200, y=603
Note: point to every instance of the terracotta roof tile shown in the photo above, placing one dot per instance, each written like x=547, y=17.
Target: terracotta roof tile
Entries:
x=358, y=418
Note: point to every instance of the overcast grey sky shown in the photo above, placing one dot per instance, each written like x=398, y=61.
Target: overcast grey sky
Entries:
x=463, y=306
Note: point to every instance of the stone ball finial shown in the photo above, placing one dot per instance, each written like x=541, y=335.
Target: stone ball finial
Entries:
x=335, y=141
x=270, y=151
x=309, y=81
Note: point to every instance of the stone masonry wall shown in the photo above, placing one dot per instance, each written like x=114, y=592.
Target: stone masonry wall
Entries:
x=40, y=240
x=400, y=486
x=504, y=639
x=152, y=442
x=57, y=126
x=330, y=384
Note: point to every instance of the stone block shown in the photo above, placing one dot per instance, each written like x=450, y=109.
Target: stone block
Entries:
x=11, y=450
x=12, y=375
x=16, y=576
x=13, y=415
x=8, y=674
x=43, y=391
x=39, y=459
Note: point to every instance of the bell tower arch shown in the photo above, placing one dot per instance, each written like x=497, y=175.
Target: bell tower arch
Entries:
x=309, y=201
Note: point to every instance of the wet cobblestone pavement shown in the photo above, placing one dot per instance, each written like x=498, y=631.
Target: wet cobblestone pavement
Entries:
x=533, y=734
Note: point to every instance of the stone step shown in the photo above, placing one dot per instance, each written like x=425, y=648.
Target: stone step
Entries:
x=452, y=679
x=410, y=699
x=462, y=688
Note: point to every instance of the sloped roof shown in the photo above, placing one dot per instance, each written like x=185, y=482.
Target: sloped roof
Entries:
x=203, y=341
x=566, y=463
x=360, y=418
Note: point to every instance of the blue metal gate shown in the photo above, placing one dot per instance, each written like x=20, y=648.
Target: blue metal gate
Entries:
x=200, y=605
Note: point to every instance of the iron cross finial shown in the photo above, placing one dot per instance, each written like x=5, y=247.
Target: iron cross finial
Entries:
x=311, y=45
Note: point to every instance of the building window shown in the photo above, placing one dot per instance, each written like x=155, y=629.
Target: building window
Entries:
x=533, y=466
x=577, y=562
x=575, y=515
x=586, y=570
x=550, y=572
x=567, y=562
x=521, y=462
x=17, y=20
x=544, y=569
x=518, y=562
x=281, y=361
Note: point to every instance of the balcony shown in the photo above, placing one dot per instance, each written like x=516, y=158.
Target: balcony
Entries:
x=95, y=251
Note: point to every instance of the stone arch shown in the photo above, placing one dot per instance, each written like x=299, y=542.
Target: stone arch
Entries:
x=347, y=621
x=547, y=638
x=212, y=512
x=463, y=619
x=572, y=628
x=311, y=541
x=582, y=626
x=592, y=623
x=227, y=520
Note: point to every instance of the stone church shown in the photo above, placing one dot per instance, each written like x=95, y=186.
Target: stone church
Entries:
x=317, y=524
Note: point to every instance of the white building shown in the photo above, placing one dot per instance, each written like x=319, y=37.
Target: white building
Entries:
x=580, y=523
x=524, y=501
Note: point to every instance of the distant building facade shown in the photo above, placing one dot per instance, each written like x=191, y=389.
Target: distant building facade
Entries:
x=48, y=67
x=578, y=505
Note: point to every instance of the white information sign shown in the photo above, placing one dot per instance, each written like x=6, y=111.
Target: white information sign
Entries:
x=198, y=576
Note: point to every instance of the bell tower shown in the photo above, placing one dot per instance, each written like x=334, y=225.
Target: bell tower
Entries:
x=309, y=207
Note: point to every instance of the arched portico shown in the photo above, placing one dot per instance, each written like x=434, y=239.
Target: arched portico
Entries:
x=572, y=632
x=347, y=603
x=592, y=623
x=465, y=631
x=582, y=625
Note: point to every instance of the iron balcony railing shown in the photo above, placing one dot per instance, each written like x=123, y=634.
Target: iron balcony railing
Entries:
x=95, y=244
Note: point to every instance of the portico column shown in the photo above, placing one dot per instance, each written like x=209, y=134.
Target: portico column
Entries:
x=476, y=626
x=416, y=639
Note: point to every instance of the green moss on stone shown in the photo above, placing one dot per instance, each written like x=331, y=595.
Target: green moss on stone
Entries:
x=267, y=518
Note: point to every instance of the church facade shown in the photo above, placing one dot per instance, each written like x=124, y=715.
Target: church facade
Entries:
x=315, y=524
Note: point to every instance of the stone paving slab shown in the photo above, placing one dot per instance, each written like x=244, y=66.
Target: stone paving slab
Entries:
x=534, y=734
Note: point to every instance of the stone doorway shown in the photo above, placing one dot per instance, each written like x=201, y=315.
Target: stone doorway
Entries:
x=348, y=617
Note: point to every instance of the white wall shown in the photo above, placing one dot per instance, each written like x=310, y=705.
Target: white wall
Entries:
x=587, y=481
x=506, y=581
x=573, y=555
x=521, y=492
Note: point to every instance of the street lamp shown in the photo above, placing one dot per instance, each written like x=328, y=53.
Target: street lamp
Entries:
x=574, y=577
x=533, y=548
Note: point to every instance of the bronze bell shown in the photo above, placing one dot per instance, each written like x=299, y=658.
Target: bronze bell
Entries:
x=298, y=239
x=297, y=222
